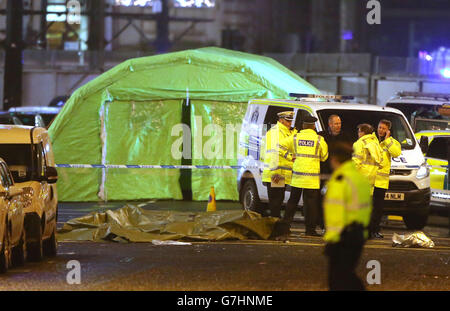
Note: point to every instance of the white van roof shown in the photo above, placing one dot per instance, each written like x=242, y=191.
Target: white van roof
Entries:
x=319, y=105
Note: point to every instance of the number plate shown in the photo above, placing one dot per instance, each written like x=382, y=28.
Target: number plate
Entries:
x=390, y=196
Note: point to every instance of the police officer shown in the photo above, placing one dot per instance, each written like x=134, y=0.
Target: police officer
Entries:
x=309, y=149
x=391, y=148
x=367, y=153
x=277, y=167
x=347, y=208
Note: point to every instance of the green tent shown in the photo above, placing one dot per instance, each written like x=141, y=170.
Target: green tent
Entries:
x=131, y=115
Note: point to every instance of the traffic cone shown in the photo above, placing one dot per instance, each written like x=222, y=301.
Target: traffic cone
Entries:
x=212, y=201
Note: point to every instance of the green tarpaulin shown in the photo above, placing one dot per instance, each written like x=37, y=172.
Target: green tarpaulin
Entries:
x=134, y=224
x=129, y=116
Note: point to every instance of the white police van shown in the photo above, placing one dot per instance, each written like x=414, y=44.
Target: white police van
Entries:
x=409, y=188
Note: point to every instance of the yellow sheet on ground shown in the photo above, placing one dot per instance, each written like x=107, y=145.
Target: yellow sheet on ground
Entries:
x=133, y=224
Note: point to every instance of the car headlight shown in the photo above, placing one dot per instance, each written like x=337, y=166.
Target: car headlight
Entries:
x=423, y=171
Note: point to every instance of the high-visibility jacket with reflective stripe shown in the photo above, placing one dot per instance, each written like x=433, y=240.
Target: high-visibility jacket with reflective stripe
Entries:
x=274, y=162
x=367, y=155
x=347, y=200
x=309, y=149
x=391, y=149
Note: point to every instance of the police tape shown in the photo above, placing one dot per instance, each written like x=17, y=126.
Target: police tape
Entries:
x=156, y=166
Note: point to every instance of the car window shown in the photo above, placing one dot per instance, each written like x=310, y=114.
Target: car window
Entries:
x=6, y=177
x=272, y=117
x=438, y=148
x=4, y=181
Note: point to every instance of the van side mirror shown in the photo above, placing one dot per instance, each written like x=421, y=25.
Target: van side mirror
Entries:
x=424, y=144
x=51, y=174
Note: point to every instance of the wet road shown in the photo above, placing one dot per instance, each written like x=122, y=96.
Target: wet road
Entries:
x=230, y=265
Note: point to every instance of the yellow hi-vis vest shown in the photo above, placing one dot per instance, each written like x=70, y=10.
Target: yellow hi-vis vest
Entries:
x=347, y=200
x=275, y=163
x=309, y=149
x=367, y=155
x=391, y=149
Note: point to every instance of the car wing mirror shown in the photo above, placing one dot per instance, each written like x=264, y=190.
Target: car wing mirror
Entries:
x=51, y=175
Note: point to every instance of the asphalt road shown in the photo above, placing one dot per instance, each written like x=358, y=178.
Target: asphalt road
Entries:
x=231, y=265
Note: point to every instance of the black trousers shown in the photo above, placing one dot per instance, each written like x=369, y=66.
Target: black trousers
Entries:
x=342, y=263
x=311, y=207
x=276, y=198
x=377, y=211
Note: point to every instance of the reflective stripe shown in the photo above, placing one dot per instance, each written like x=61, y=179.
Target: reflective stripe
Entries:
x=383, y=174
x=271, y=151
x=295, y=143
x=318, y=144
x=326, y=156
x=354, y=204
x=303, y=155
x=334, y=201
x=388, y=146
x=282, y=147
x=370, y=163
x=285, y=156
x=305, y=174
x=357, y=156
x=279, y=168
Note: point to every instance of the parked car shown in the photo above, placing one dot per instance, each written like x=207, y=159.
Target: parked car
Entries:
x=8, y=118
x=13, y=201
x=35, y=115
x=28, y=152
x=409, y=188
x=436, y=145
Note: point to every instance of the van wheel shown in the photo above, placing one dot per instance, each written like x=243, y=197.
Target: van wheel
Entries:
x=5, y=253
x=34, y=249
x=250, y=197
x=19, y=252
x=415, y=221
x=50, y=245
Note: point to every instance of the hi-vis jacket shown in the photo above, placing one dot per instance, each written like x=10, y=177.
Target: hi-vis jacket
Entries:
x=391, y=149
x=309, y=149
x=274, y=161
x=367, y=155
x=347, y=200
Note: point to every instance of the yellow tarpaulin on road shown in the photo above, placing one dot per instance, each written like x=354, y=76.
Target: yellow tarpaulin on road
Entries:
x=133, y=224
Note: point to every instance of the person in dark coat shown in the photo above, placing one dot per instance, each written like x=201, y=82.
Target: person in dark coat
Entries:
x=332, y=135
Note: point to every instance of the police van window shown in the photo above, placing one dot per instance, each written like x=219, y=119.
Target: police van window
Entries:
x=272, y=117
x=352, y=118
x=438, y=148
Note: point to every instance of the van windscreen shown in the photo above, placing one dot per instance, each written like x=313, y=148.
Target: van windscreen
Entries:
x=350, y=119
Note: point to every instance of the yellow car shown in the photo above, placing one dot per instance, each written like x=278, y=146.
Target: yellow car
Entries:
x=28, y=152
x=13, y=201
x=436, y=147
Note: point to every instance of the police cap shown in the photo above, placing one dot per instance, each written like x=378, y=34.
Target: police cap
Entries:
x=310, y=119
x=287, y=115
